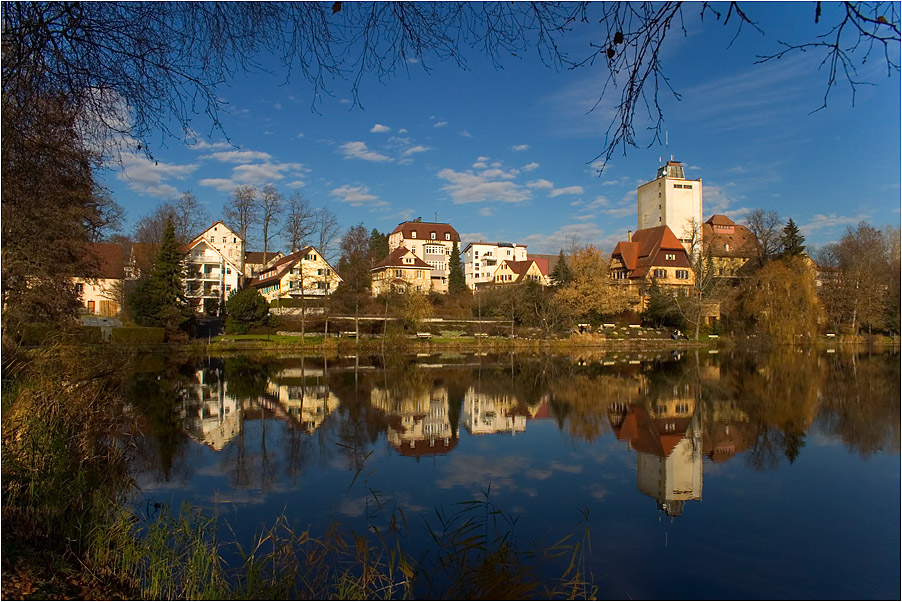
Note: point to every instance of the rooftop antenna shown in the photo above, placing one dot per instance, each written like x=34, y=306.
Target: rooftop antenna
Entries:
x=667, y=143
x=436, y=217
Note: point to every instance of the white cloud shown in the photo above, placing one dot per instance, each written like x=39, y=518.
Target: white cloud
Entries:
x=487, y=186
x=541, y=184
x=402, y=131
x=239, y=156
x=150, y=177
x=415, y=149
x=440, y=124
x=520, y=147
x=564, y=237
x=204, y=145
x=530, y=166
x=262, y=173
x=357, y=196
x=380, y=129
x=568, y=190
x=358, y=150
x=465, y=134
x=223, y=184
x=820, y=221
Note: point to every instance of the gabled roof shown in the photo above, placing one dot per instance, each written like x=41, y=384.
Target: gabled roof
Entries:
x=518, y=267
x=110, y=259
x=214, y=224
x=396, y=257
x=720, y=220
x=741, y=241
x=278, y=269
x=202, y=241
x=424, y=228
x=639, y=254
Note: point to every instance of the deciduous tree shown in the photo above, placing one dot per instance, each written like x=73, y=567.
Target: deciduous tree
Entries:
x=270, y=210
x=299, y=222
x=591, y=290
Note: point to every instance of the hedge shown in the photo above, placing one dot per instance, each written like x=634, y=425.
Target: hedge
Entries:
x=35, y=334
x=138, y=335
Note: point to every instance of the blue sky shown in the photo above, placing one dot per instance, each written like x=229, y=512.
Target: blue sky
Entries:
x=507, y=154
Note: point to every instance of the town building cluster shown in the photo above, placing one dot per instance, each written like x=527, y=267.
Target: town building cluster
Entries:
x=669, y=231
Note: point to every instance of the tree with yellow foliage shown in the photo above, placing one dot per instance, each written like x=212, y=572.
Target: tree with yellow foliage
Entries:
x=781, y=300
x=591, y=289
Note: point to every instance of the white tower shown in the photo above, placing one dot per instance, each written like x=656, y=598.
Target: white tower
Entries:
x=671, y=200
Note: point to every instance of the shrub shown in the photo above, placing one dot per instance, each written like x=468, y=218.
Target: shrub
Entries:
x=245, y=308
x=137, y=335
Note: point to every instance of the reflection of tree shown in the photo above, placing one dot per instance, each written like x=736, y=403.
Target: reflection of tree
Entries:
x=779, y=391
x=246, y=378
x=860, y=401
x=159, y=397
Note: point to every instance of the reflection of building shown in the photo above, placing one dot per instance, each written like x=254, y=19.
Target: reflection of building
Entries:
x=728, y=431
x=493, y=413
x=303, y=395
x=211, y=416
x=667, y=437
x=418, y=423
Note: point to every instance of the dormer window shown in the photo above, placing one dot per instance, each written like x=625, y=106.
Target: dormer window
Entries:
x=432, y=234
x=447, y=236
x=413, y=233
x=670, y=256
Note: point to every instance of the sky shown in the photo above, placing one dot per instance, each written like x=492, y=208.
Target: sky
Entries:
x=511, y=153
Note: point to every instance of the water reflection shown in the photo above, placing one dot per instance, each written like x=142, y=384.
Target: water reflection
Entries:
x=670, y=410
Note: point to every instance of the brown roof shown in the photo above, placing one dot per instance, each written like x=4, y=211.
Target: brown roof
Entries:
x=278, y=269
x=422, y=447
x=546, y=263
x=394, y=260
x=643, y=252
x=519, y=267
x=720, y=220
x=110, y=259
x=424, y=228
x=256, y=257
x=741, y=241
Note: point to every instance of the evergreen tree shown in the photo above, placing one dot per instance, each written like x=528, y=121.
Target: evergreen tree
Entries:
x=561, y=274
x=791, y=240
x=378, y=246
x=159, y=299
x=245, y=308
x=457, y=283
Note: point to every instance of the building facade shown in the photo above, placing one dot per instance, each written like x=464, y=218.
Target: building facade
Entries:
x=482, y=259
x=300, y=275
x=671, y=200
x=431, y=242
x=401, y=271
x=103, y=295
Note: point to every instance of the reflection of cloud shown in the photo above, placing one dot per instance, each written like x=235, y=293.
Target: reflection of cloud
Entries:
x=571, y=468
x=598, y=492
x=538, y=473
x=353, y=506
x=479, y=471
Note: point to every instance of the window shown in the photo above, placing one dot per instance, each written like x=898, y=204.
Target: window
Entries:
x=230, y=252
x=79, y=288
x=228, y=287
x=682, y=274
x=91, y=307
x=475, y=254
x=212, y=238
x=228, y=270
x=670, y=256
x=432, y=235
x=399, y=273
x=726, y=247
x=234, y=239
x=413, y=233
x=224, y=239
x=447, y=236
x=660, y=273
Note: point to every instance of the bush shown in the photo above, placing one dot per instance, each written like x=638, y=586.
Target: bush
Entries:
x=137, y=335
x=245, y=308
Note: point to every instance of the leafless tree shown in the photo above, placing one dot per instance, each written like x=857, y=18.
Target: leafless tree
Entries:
x=188, y=218
x=299, y=222
x=242, y=211
x=270, y=210
x=326, y=232
x=766, y=227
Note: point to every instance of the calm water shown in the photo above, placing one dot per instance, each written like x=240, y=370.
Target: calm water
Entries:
x=729, y=476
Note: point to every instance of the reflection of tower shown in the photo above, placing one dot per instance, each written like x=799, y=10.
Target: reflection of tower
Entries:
x=676, y=477
x=667, y=437
x=305, y=397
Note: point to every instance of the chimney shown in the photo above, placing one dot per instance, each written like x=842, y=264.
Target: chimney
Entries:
x=212, y=222
x=629, y=236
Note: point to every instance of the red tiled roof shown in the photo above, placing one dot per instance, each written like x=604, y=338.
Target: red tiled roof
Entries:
x=644, y=251
x=424, y=228
x=395, y=260
x=720, y=220
x=422, y=447
x=741, y=241
x=110, y=259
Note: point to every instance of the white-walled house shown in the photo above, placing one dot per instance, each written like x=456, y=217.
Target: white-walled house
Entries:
x=430, y=241
x=213, y=267
x=304, y=273
x=102, y=295
x=482, y=259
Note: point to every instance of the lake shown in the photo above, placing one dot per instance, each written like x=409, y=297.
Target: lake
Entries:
x=685, y=475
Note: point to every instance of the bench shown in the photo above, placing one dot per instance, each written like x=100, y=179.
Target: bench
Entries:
x=424, y=335
x=481, y=335
x=349, y=334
